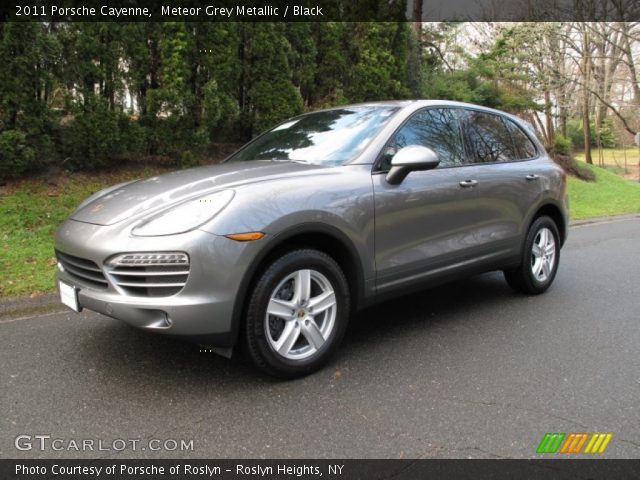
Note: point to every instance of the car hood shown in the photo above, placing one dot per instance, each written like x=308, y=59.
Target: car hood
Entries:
x=156, y=193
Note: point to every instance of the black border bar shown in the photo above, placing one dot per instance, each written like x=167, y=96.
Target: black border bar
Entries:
x=316, y=469
x=318, y=10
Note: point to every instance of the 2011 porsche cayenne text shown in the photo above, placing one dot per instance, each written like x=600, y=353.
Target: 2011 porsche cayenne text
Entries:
x=324, y=214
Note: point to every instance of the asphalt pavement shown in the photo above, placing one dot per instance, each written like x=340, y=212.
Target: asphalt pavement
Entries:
x=470, y=369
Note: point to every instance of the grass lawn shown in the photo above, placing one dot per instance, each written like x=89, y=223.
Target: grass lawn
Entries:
x=31, y=210
x=614, y=160
x=610, y=194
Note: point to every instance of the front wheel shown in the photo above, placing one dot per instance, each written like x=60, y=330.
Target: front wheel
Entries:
x=540, y=258
x=297, y=313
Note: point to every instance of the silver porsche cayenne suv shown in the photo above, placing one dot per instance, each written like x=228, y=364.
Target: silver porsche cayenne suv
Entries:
x=323, y=215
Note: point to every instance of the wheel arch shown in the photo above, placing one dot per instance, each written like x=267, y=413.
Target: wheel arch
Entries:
x=553, y=211
x=322, y=237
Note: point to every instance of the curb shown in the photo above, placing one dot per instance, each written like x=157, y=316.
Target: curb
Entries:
x=596, y=220
x=15, y=307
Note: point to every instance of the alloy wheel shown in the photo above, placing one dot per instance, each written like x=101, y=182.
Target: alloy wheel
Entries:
x=301, y=314
x=543, y=255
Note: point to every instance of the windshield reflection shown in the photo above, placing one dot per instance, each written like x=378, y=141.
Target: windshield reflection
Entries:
x=329, y=137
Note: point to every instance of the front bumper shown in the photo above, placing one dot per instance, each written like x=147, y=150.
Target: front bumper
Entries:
x=202, y=311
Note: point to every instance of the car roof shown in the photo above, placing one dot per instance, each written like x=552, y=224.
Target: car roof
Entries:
x=411, y=106
x=417, y=103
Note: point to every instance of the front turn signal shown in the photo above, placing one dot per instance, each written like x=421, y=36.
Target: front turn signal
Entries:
x=245, y=237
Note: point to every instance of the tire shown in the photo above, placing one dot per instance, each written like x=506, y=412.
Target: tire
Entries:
x=297, y=338
x=538, y=266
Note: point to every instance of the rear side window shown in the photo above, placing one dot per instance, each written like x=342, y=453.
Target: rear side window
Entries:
x=523, y=144
x=436, y=128
x=488, y=138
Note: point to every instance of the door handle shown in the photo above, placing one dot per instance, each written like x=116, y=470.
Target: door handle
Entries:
x=468, y=183
x=532, y=176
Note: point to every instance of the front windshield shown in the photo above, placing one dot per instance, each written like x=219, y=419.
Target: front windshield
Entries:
x=330, y=137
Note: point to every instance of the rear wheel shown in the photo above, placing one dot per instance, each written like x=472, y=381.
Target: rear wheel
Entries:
x=297, y=313
x=540, y=258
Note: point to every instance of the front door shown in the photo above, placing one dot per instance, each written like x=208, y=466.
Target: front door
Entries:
x=426, y=225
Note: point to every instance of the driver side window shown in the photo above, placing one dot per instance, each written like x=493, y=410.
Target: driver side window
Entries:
x=436, y=128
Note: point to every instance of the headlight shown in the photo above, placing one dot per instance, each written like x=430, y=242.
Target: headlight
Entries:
x=150, y=259
x=185, y=216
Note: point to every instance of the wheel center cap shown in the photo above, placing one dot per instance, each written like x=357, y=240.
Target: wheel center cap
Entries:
x=301, y=313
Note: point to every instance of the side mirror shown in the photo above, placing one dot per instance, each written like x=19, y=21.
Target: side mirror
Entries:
x=408, y=159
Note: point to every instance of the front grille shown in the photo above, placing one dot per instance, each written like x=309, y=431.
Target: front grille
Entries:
x=150, y=280
x=83, y=270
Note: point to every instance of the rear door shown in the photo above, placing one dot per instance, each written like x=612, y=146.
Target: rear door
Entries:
x=425, y=225
x=508, y=183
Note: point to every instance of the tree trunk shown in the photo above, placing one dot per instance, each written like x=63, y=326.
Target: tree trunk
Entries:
x=563, y=113
x=417, y=19
x=632, y=70
x=414, y=74
x=585, y=97
x=587, y=130
x=548, y=117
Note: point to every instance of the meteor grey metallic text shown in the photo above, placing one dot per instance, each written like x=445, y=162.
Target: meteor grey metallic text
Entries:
x=322, y=215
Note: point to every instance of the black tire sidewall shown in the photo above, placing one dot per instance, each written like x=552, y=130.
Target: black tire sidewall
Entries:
x=259, y=348
x=532, y=284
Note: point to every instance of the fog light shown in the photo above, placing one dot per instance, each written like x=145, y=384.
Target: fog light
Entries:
x=149, y=258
